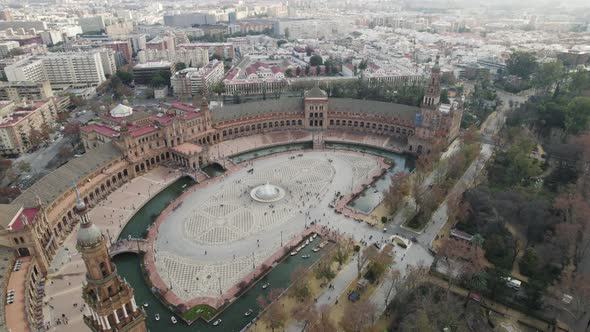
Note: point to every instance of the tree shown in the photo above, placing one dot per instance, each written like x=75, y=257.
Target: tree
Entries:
x=281, y=42
x=577, y=115
x=23, y=166
x=363, y=65
x=341, y=254
x=394, y=279
x=318, y=71
x=323, y=323
x=461, y=259
x=216, y=56
x=576, y=285
x=158, y=81
x=72, y=132
x=7, y=194
x=306, y=70
x=576, y=211
x=276, y=316
x=521, y=64
x=298, y=71
x=35, y=137
x=548, y=74
x=363, y=256
x=65, y=152
x=218, y=88
x=444, y=96
x=5, y=165
x=308, y=50
x=125, y=77
x=300, y=284
x=289, y=72
x=180, y=66
x=287, y=33
x=358, y=316
x=316, y=60
x=398, y=190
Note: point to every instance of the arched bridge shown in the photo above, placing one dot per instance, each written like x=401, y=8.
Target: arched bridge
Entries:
x=129, y=245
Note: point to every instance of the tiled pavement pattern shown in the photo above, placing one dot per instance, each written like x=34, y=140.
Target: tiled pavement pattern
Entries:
x=238, y=233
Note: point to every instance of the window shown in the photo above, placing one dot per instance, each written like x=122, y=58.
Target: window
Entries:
x=104, y=270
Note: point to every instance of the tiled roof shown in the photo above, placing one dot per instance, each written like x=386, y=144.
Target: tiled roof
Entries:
x=55, y=183
x=316, y=92
x=235, y=111
x=7, y=213
x=399, y=111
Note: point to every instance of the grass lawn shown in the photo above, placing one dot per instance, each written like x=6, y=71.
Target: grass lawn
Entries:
x=200, y=310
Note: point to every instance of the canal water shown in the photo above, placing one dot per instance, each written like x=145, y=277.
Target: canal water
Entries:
x=233, y=319
x=213, y=170
x=372, y=196
x=138, y=224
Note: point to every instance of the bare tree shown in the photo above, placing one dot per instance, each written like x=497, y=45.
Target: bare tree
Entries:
x=323, y=323
x=461, y=258
x=358, y=316
x=363, y=256
x=576, y=285
x=394, y=278
x=398, y=190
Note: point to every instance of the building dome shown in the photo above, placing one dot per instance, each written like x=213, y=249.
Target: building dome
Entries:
x=267, y=193
x=121, y=111
x=88, y=235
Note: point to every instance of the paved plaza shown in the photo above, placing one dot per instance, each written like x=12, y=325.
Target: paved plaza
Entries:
x=219, y=233
x=63, y=287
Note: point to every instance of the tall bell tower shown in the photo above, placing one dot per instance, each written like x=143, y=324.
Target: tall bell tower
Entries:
x=109, y=298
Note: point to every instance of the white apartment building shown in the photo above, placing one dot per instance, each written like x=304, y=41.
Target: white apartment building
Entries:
x=69, y=68
x=196, y=57
x=6, y=46
x=109, y=63
x=26, y=70
x=77, y=68
x=192, y=82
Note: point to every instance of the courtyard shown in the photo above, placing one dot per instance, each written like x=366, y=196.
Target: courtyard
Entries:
x=219, y=233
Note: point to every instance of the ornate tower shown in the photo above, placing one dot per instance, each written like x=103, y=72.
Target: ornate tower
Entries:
x=206, y=112
x=109, y=298
x=428, y=120
x=315, y=102
x=432, y=95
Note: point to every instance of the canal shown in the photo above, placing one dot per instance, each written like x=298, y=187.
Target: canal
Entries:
x=233, y=318
x=372, y=196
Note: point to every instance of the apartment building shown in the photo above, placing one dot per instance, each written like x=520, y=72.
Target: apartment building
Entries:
x=224, y=50
x=74, y=68
x=92, y=24
x=197, y=57
x=6, y=46
x=26, y=70
x=189, y=19
x=87, y=68
x=124, y=47
x=193, y=82
x=17, y=123
x=20, y=91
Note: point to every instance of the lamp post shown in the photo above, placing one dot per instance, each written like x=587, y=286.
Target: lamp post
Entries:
x=110, y=240
x=253, y=266
x=281, y=238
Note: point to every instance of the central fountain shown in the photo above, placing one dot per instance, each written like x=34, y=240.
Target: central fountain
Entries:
x=267, y=193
